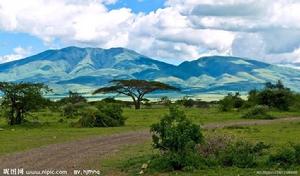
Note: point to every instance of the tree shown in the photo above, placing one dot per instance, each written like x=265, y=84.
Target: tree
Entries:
x=136, y=89
x=21, y=98
x=273, y=95
x=73, y=98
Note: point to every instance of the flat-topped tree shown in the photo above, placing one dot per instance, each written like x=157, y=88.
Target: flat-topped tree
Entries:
x=136, y=89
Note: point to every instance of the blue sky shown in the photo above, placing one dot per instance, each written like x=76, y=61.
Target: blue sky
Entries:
x=169, y=30
x=11, y=40
x=137, y=6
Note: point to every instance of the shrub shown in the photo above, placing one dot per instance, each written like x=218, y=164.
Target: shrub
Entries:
x=258, y=112
x=72, y=110
x=214, y=144
x=201, y=104
x=165, y=101
x=176, y=137
x=69, y=110
x=113, y=111
x=146, y=102
x=186, y=102
x=87, y=120
x=297, y=152
x=284, y=157
x=104, y=115
x=241, y=154
x=231, y=101
x=273, y=95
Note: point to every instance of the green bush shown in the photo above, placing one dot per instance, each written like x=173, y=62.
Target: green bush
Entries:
x=297, y=153
x=230, y=102
x=114, y=113
x=284, y=157
x=104, y=115
x=273, y=95
x=69, y=110
x=258, y=112
x=176, y=137
x=186, y=102
x=72, y=110
x=241, y=154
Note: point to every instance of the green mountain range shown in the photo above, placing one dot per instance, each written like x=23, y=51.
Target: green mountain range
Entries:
x=84, y=69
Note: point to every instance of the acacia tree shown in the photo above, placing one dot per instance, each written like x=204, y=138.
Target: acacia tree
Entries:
x=21, y=98
x=136, y=89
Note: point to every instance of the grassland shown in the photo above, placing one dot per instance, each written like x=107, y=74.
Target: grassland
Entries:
x=129, y=160
x=47, y=127
x=44, y=127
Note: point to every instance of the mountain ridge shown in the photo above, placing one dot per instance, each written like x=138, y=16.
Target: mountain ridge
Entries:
x=84, y=69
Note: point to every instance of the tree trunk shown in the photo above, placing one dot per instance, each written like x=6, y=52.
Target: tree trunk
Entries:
x=18, y=117
x=11, y=117
x=137, y=104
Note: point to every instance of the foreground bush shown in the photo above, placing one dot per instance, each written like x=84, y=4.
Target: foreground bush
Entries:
x=176, y=137
x=287, y=156
x=241, y=154
x=226, y=151
x=258, y=112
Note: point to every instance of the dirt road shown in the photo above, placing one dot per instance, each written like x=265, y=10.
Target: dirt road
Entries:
x=72, y=155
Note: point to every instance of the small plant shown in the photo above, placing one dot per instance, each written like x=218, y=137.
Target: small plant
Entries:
x=258, y=112
x=176, y=137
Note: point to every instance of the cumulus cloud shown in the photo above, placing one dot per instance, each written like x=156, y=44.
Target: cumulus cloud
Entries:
x=18, y=53
x=182, y=29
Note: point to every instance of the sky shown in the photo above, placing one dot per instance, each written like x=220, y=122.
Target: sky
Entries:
x=168, y=30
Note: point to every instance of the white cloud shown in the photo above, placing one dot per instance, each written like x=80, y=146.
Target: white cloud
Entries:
x=183, y=29
x=18, y=53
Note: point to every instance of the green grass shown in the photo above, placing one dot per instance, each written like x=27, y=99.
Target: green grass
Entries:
x=146, y=117
x=45, y=129
x=130, y=159
x=277, y=134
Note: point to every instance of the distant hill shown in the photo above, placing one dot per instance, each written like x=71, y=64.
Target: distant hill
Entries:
x=84, y=69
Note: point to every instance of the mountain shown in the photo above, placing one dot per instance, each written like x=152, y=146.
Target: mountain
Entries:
x=84, y=69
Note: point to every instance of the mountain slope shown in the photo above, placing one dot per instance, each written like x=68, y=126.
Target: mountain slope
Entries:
x=84, y=69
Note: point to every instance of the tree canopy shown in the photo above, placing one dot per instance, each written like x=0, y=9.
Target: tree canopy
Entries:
x=136, y=89
x=20, y=98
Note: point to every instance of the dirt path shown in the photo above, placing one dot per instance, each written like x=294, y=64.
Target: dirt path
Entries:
x=72, y=155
